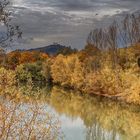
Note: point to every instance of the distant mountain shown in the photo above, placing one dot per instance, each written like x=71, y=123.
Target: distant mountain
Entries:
x=55, y=49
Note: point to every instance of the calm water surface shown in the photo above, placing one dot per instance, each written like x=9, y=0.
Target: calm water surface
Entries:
x=86, y=118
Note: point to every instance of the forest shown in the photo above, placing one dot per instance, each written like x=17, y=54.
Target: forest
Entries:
x=108, y=66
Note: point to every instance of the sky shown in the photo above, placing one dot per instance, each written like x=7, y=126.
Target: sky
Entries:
x=67, y=22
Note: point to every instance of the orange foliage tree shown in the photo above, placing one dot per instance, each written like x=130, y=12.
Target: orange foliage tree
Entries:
x=16, y=58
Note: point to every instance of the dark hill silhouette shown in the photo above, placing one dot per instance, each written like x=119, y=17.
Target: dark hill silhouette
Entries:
x=54, y=49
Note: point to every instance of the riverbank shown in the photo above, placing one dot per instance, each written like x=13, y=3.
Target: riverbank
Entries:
x=117, y=85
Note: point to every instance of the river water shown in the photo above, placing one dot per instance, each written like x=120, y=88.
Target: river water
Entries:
x=83, y=117
x=93, y=118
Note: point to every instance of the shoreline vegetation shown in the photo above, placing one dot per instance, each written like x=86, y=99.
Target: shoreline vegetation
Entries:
x=72, y=82
x=102, y=68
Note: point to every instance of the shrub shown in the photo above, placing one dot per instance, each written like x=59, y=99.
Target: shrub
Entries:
x=33, y=71
x=46, y=70
x=7, y=81
x=131, y=93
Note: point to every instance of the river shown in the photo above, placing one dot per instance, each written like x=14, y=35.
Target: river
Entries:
x=83, y=117
x=94, y=118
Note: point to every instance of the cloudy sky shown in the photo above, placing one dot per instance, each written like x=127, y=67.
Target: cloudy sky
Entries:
x=67, y=22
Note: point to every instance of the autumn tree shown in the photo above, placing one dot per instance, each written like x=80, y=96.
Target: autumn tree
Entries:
x=12, y=59
x=68, y=71
x=46, y=69
x=33, y=56
x=119, y=34
x=26, y=57
x=22, y=57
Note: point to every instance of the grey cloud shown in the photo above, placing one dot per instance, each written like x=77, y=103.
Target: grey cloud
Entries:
x=66, y=21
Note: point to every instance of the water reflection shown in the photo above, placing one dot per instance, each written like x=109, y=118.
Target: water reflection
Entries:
x=103, y=119
x=82, y=117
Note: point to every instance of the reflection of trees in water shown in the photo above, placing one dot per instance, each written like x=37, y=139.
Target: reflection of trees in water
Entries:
x=96, y=132
x=105, y=120
x=26, y=121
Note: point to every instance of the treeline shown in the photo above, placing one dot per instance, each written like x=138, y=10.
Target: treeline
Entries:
x=13, y=59
x=124, y=34
x=107, y=66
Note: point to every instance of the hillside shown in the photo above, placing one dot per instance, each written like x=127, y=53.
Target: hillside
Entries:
x=55, y=49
